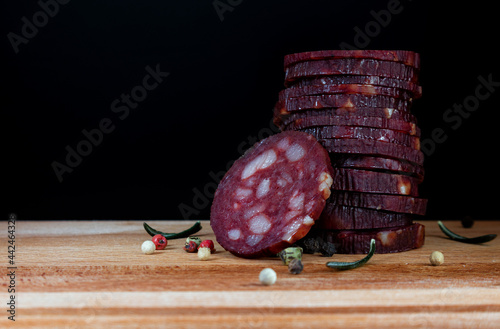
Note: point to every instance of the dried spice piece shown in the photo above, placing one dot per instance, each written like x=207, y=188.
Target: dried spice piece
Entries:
x=295, y=266
x=191, y=246
x=314, y=244
x=159, y=241
x=327, y=249
x=195, y=239
x=459, y=238
x=267, y=277
x=436, y=258
x=352, y=265
x=290, y=253
x=148, y=247
x=169, y=236
x=204, y=253
x=309, y=245
x=207, y=244
x=467, y=221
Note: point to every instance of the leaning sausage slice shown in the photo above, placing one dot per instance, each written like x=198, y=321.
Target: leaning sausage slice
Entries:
x=272, y=195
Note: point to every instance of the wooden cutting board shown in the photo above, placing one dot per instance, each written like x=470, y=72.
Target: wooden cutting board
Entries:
x=76, y=274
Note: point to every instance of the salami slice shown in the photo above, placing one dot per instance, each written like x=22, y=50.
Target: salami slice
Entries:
x=402, y=56
x=351, y=120
x=377, y=164
x=341, y=100
x=374, y=182
x=364, y=89
x=350, y=66
x=272, y=195
x=338, y=217
x=355, y=132
x=373, y=148
x=387, y=240
x=392, y=203
x=358, y=79
x=284, y=118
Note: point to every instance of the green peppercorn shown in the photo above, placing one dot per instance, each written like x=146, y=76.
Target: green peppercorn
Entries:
x=195, y=239
x=290, y=253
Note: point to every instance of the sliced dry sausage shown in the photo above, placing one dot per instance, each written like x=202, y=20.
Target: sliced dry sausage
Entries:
x=350, y=66
x=272, y=195
x=402, y=56
x=339, y=217
x=387, y=240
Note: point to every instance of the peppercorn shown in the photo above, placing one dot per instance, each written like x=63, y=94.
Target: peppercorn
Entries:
x=196, y=239
x=467, y=221
x=327, y=249
x=310, y=245
x=295, y=266
x=267, y=277
x=204, y=253
x=160, y=241
x=436, y=258
x=207, y=244
x=148, y=247
x=290, y=253
x=191, y=246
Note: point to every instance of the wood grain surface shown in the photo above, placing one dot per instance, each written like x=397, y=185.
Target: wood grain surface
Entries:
x=77, y=274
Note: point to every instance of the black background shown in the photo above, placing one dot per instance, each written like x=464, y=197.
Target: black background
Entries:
x=224, y=80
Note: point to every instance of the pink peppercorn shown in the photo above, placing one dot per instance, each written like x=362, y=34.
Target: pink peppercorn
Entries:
x=208, y=244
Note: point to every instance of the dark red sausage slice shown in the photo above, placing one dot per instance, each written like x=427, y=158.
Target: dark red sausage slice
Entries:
x=283, y=118
x=403, y=56
x=378, y=164
x=341, y=100
x=338, y=217
x=393, y=203
x=350, y=66
x=387, y=240
x=272, y=195
x=354, y=132
x=355, y=180
x=345, y=89
x=351, y=120
x=358, y=79
x=373, y=148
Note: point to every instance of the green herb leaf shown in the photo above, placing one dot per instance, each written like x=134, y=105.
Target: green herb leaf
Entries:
x=352, y=265
x=459, y=238
x=170, y=236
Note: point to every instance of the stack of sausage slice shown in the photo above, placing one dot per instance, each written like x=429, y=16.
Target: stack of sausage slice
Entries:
x=357, y=104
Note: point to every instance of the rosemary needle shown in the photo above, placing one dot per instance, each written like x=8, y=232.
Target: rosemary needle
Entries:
x=169, y=236
x=358, y=263
x=456, y=237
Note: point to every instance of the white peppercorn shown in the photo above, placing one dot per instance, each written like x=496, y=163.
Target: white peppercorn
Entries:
x=267, y=276
x=148, y=247
x=204, y=253
x=436, y=258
